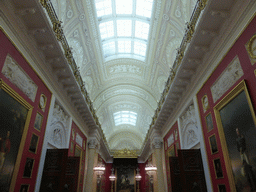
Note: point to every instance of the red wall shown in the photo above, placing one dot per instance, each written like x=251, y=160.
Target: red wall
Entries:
x=6, y=47
x=238, y=49
x=74, y=131
x=175, y=145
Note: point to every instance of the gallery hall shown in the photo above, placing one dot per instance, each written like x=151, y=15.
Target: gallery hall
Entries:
x=127, y=95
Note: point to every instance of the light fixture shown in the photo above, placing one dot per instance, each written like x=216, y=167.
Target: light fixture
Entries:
x=150, y=170
x=138, y=178
x=99, y=169
x=112, y=178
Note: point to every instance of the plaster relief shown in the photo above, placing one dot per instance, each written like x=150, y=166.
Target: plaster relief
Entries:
x=58, y=128
x=189, y=128
x=19, y=77
x=227, y=79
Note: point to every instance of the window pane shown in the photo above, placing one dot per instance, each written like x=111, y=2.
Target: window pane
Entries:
x=103, y=7
x=124, y=28
x=124, y=46
x=109, y=48
x=124, y=6
x=141, y=30
x=144, y=8
x=106, y=29
x=139, y=48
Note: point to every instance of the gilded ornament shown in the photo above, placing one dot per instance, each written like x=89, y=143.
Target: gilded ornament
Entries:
x=202, y=4
x=252, y=47
x=58, y=30
x=125, y=153
x=44, y=3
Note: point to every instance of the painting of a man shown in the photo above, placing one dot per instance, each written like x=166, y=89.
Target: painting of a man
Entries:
x=5, y=146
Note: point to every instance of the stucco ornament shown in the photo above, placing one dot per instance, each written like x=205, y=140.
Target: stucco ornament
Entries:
x=59, y=127
x=19, y=77
x=189, y=128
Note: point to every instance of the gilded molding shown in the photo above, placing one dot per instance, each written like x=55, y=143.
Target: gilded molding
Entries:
x=125, y=153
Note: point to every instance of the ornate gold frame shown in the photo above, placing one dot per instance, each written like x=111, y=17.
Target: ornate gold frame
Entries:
x=25, y=184
x=205, y=107
x=38, y=113
x=216, y=177
x=23, y=102
x=231, y=95
x=249, y=47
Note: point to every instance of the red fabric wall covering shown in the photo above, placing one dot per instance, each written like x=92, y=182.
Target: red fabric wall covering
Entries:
x=6, y=47
x=72, y=146
x=238, y=49
x=107, y=187
x=175, y=145
x=143, y=177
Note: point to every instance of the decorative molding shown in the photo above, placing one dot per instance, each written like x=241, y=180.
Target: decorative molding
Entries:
x=19, y=77
x=170, y=140
x=227, y=78
x=93, y=143
x=125, y=153
x=58, y=131
x=189, y=128
x=157, y=143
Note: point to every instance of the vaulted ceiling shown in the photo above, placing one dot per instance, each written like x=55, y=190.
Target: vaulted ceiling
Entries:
x=125, y=89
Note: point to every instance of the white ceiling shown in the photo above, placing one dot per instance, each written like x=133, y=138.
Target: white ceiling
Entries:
x=124, y=84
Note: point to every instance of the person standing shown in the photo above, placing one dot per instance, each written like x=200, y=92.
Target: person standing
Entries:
x=5, y=147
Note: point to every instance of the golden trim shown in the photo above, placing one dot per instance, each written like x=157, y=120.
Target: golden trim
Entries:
x=209, y=139
x=231, y=95
x=23, y=102
x=170, y=149
x=203, y=103
x=216, y=177
x=31, y=168
x=255, y=72
x=42, y=106
x=125, y=153
x=38, y=138
x=250, y=48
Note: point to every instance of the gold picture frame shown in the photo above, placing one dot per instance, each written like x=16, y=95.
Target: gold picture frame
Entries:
x=205, y=103
x=38, y=121
x=209, y=122
x=28, y=169
x=213, y=144
x=21, y=111
x=24, y=187
x=235, y=112
x=218, y=168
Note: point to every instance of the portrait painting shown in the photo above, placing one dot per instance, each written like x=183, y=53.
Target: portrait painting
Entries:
x=236, y=124
x=222, y=188
x=28, y=168
x=125, y=180
x=209, y=123
x=218, y=168
x=38, y=121
x=14, y=119
x=213, y=144
x=24, y=188
x=33, y=143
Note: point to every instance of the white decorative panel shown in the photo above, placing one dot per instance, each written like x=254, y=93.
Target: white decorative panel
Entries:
x=227, y=78
x=18, y=77
x=58, y=128
x=189, y=128
x=79, y=139
x=116, y=69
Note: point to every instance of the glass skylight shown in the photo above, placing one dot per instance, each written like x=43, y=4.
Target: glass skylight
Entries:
x=125, y=117
x=124, y=27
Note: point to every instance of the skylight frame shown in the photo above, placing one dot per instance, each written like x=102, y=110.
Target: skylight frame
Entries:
x=125, y=117
x=134, y=38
